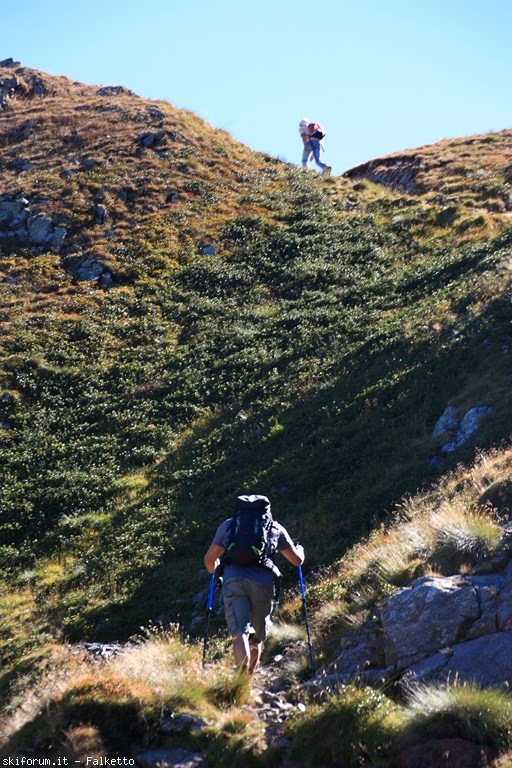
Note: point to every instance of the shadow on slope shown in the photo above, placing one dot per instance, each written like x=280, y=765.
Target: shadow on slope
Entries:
x=334, y=463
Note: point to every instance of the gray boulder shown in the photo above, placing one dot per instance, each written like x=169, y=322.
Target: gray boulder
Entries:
x=87, y=267
x=486, y=661
x=458, y=432
x=114, y=90
x=468, y=425
x=207, y=249
x=36, y=85
x=436, y=629
x=395, y=172
x=447, y=422
x=19, y=222
x=41, y=231
x=151, y=140
x=430, y=614
x=13, y=213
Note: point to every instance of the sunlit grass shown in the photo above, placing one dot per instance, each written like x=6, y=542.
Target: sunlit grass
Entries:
x=351, y=723
x=159, y=675
x=460, y=710
x=462, y=535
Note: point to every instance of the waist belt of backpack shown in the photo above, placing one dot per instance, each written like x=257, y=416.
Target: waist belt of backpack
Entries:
x=220, y=568
x=268, y=565
x=276, y=573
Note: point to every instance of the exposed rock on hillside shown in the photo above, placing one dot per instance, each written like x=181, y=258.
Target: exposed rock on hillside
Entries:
x=437, y=629
x=455, y=173
x=455, y=432
x=395, y=172
x=22, y=224
x=32, y=84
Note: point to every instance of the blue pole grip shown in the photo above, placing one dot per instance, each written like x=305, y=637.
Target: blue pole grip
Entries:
x=301, y=582
x=210, y=593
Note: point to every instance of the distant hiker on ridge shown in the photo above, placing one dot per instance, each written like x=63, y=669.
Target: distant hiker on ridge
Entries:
x=312, y=135
x=242, y=552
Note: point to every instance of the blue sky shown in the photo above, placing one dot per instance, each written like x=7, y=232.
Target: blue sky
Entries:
x=381, y=75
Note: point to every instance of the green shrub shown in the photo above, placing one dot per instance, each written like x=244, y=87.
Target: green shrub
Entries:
x=464, y=711
x=229, y=689
x=351, y=723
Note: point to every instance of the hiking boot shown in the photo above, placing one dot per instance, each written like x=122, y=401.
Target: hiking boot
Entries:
x=327, y=171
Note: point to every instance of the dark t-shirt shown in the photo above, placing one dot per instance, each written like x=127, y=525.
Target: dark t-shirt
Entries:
x=279, y=539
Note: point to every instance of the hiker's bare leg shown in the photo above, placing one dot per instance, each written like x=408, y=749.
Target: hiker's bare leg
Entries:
x=241, y=651
x=255, y=655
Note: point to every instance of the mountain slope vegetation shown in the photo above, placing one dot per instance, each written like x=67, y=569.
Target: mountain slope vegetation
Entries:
x=261, y=329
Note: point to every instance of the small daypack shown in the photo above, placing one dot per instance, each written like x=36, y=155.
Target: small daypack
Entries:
x=316, y=131
x=248, y=536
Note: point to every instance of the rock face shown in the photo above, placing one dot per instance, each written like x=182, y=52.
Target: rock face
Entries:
x=88, y=267
x=395, y=172
x=11, y=86
x=457, y=433
x=437, y=629
x=20, y=223
x=430, y=614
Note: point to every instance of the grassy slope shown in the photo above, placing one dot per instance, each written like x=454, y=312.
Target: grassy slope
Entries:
x=309, y=360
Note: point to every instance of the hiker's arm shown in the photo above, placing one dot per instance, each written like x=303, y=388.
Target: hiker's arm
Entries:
x=211, y=559
x=295, y=554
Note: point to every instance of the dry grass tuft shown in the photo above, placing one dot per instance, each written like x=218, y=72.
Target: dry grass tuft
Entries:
x=459, y=710
x=94, y=706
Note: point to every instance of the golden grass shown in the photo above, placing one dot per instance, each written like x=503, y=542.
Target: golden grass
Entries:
x=460, y=710
x=158, y=675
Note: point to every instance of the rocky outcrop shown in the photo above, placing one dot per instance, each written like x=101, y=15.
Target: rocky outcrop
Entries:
x=114, y=90
x=7, y=63
x=437, y=629
x=21, y=83
x=88, y=267
x=454, y=432
x=398, y=172
x=22, y=224
x=8, y=87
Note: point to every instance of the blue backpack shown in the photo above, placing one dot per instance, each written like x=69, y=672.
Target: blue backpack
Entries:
x=248, y=536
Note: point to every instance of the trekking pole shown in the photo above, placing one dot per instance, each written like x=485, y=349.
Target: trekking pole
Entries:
x=303, y=593
x=208, y=616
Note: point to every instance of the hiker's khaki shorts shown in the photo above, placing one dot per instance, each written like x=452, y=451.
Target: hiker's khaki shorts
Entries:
x=247, y=606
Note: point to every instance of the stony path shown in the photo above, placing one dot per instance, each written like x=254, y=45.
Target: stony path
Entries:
x=273, y=697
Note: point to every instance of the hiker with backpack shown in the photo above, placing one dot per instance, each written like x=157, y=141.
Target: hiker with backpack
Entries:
x=312, y=135
x=241, y=553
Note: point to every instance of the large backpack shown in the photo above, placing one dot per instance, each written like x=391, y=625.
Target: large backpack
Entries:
x=248, y=537
x=316, y=131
